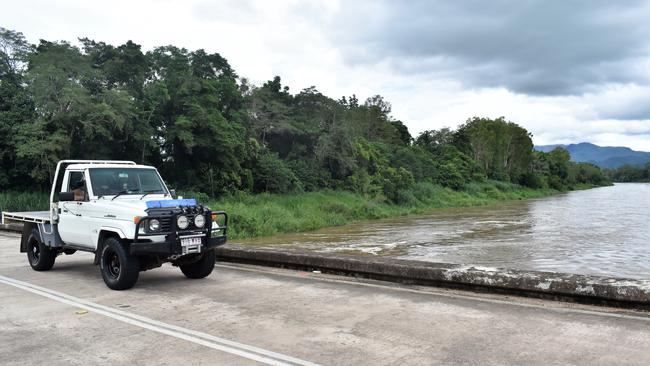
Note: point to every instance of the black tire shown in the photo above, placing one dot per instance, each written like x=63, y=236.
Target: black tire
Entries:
x=120, y=269
x=201, y=268
x=40, y=257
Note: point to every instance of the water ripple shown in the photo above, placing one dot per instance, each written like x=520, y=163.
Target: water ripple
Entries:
x=603, y=231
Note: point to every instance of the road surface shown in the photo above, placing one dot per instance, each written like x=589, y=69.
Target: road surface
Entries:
x=243, y=315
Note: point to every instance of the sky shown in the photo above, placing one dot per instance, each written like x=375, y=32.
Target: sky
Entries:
x=568, y=71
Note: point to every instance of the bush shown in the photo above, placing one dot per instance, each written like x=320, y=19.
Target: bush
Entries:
x=555, y=182
x=418, y=161
x=395, y=180
x=531, y=180
x=424, y=191
x=363, y=183
x=271, y=174
x=406, y=197
x=450, y=176
x=456, y=168
x=310, y=174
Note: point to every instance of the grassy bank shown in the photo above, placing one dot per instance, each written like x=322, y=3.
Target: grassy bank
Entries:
x=269, y=214
x=24, y=201
x=266, y=214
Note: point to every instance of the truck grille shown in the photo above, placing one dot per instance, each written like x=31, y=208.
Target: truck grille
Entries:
x=165, y=224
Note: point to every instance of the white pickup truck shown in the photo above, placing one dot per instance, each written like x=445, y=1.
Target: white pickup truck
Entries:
x=124, y=213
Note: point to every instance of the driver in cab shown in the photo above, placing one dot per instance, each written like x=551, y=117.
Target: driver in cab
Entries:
x=79, y=190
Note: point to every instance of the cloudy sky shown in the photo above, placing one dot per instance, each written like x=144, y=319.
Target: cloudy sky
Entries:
x=569, y=71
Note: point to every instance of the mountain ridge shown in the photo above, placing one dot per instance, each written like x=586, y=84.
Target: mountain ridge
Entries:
x=603, y=156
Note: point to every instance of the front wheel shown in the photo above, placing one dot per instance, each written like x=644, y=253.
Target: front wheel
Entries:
x=120, y=269
x=40, y=257
x=201, y=268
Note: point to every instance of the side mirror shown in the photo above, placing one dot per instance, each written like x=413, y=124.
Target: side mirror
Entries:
x=66, y=196
x=172, y=192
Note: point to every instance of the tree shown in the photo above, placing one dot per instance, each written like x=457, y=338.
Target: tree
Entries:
x=558, y=163
x=14, y=51
x=16, y=106
x=402, y=132
x=201, y=148
x=75, y=117
x=273, y=175
x=503, y=149
x=268, y=111
x=435, y=140
x=335, y=149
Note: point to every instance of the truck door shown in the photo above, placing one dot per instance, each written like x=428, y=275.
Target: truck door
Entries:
x=73, y=219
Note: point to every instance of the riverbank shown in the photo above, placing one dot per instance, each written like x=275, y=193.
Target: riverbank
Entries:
x=270, y=214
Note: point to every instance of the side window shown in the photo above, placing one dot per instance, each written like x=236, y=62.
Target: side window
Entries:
x=77, y=184
x=75, y=179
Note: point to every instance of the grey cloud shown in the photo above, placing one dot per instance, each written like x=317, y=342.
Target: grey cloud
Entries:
x=637, y=112
x=531, y=47
x=624, y=104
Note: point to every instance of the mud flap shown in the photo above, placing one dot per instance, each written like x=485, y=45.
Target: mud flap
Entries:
x=27, y=231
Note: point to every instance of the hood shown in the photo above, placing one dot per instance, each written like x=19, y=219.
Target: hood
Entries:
x=126, y=209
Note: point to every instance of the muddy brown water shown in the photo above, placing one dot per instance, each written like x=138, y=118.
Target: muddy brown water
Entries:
x=601, y=231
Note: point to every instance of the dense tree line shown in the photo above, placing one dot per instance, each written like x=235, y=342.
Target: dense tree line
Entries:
x=208, y=129
x=630, y=173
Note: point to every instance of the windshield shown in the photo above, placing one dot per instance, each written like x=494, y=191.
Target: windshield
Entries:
x=124, y=181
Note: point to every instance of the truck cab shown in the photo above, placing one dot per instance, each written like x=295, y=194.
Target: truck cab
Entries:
x=125, y=214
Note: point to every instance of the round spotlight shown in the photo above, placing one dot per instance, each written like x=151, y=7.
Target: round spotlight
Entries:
x=199, y=221
x=182, y=222
x=154, y=225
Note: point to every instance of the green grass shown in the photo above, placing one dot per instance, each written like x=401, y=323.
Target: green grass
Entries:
x=269, y=214
x=24, y=201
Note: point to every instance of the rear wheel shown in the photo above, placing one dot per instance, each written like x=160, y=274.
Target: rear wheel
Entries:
x=40, y=257
x=120, y=269
x=201, y=268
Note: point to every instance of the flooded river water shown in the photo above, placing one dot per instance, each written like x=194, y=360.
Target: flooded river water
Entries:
x=602, y=231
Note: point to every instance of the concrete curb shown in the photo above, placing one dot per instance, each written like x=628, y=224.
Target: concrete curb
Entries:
x=608, y=291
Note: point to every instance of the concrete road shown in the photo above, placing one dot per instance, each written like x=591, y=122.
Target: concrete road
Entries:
x=244, y=315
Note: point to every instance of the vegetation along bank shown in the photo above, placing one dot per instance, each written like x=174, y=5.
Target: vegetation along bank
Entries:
x=630, y=173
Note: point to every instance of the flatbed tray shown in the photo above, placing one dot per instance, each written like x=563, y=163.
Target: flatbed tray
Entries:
x=41, y=217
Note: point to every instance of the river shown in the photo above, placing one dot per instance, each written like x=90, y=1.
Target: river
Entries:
x=601, y=231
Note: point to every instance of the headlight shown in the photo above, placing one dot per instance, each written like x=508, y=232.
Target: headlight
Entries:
x=182, y=222
x=199, y=221
x=154, y=225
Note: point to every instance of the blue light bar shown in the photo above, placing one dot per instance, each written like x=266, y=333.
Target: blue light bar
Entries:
x=171, y=203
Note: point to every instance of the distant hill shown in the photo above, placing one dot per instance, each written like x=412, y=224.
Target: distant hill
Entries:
x=603, y=156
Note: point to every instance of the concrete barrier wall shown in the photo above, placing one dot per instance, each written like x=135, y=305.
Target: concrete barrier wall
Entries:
x=558, y=286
